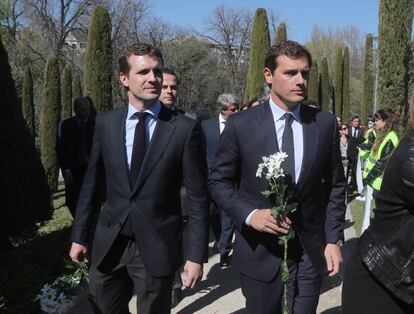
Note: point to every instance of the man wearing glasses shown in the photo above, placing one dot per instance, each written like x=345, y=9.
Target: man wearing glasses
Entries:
x=221, y=224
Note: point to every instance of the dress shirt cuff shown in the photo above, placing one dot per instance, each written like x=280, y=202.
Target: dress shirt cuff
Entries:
x=247, y=221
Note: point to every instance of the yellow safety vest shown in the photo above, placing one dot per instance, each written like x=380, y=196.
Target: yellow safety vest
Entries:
x=372, y=159
x=364, y=153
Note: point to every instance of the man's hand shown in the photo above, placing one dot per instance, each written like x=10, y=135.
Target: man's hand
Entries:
x=263, y=221
x=193, y=272
x=78, y=253
x=333, y=256
x=67, y=176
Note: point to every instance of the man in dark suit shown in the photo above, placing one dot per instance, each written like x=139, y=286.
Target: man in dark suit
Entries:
x=221, y=223
x=317, y=181
x=146, y=152
x=356, y=133
x=73, y=149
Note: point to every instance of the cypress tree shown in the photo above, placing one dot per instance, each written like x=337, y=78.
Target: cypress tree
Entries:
x=260, y=44
x=49, y=120
x=324, y=85
x=98, y=60
x=66, y=93
x=28, y=101
x=24, y=191
x=368, y=93
x=281, y=33
x=338, y=82
x=76, y=87
x=346, y=105
x=394, y=33
x=313, y=84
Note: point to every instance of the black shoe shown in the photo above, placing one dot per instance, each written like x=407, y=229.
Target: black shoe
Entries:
x=176, y=297
x=224, y=260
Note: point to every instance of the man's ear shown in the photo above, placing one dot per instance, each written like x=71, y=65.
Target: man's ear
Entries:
x=123, y=77
x=268, y=75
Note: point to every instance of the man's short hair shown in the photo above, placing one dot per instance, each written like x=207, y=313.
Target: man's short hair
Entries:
x=80, y=100
x=355, y=117
x=225, y=100
x=291, y=49
x=137, y=49
x=170, y=71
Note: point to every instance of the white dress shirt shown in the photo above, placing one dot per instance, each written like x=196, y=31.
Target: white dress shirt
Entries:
x=130, y=124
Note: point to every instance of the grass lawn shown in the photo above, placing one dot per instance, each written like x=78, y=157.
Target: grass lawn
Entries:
x=25, y=269
x=357, y=212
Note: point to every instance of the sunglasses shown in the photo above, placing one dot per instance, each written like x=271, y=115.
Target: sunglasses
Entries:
x=343, y=129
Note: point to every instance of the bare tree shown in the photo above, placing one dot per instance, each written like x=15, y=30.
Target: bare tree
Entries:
x=10, y=13
x=228, y=30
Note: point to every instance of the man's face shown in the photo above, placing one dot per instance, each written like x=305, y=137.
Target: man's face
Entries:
x=289, y=81
x=355, y=122
x=169, y=90
x=230, y=110
x=144, y=79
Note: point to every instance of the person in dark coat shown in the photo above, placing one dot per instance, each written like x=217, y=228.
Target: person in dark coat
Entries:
x=73, y=149
x=146, y=152
x=313, y=167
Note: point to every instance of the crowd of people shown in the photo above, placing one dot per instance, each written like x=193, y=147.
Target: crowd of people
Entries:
x=168, y=177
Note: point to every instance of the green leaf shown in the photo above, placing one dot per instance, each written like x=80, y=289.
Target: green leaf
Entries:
x=267, y=193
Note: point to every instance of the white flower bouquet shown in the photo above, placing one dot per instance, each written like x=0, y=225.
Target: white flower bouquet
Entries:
x=271, y=167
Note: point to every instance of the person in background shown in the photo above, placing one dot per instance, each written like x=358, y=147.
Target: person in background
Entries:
x=339, y=120
x=385, y=142
x=379, y=276
x=349, y=150
x=212, y=130
x=74, y=143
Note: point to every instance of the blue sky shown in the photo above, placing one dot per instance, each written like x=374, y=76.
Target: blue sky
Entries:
x=300, y=15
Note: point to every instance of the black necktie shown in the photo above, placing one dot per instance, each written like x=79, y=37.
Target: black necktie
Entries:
x=139, y=148
x=287, y=147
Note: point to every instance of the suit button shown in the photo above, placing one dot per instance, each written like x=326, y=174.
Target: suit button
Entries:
x=119, y=224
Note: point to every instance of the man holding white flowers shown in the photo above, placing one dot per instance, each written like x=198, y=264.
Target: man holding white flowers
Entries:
x=315, y=178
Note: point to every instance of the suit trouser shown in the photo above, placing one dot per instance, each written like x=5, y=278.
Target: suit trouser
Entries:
x=226, y=236
x=110, y=292
x=302, y=293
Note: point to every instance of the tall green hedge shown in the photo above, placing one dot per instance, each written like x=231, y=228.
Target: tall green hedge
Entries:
x=260, y=44
x=24, y=196
x=394, y=34
x=324, y=85
x=281, y=33
x=28, y=101
x=338, y=82
x=49, y=120
x=76, y=87
x=66, y=93
x=368, y=93
x=313, y=84
x=98, y=60
x=346, y=94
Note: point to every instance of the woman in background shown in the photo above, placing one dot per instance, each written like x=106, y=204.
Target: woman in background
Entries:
x=385, y=141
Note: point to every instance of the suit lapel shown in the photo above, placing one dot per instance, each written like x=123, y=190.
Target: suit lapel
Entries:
x=119, y=144
x=162, y=134
x=310, y=144
x=266, y=130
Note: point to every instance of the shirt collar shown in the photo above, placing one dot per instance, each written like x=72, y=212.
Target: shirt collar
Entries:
x=278, y=112
x=153, y=110
x=221, y=118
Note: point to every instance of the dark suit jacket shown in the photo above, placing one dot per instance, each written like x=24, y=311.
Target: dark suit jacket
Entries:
x=176, y=153
x=211, y=128
x=68, y=142
x=248, y=136
x=359, y=135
